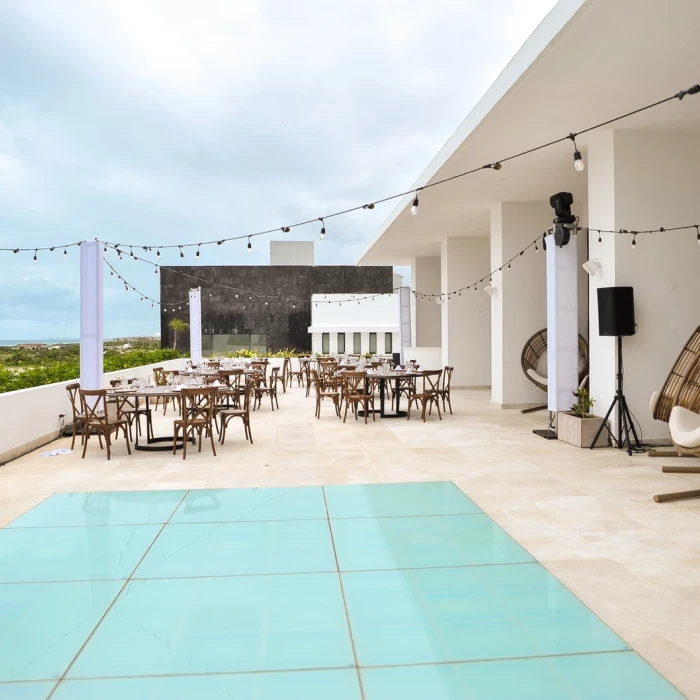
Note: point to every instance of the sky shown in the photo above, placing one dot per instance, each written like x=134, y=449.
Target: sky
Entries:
x=170, y=121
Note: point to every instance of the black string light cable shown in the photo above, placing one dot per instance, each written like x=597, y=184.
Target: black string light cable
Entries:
x=144, y=297
x=494, y=165
x=418, y=295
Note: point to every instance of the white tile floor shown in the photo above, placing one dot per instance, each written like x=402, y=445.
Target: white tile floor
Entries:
x=587, y=516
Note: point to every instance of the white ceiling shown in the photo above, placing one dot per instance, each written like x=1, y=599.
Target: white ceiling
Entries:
x=589, y=61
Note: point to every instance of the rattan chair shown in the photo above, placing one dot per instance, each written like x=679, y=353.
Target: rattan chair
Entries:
x=197, y=406
x=354, y=393
x=225, y=414
x=678, y=404
x=533, y=360
x=93, y=404
x=78, y=415
x=429, y=394
x=325, y=393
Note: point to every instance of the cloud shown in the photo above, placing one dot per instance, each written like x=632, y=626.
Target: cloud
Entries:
x=158, y=121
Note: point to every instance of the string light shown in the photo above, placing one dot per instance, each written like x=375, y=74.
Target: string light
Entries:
x=414, y=207
x=634, y=241
x=250, y=247
x=197, y=254
x=323, y=229
x=578, y=162
x=35, y=257
x=182, y=255
x=65, y=252
x=697, y=228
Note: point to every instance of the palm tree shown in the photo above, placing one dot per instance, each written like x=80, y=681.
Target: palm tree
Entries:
x=177, y=325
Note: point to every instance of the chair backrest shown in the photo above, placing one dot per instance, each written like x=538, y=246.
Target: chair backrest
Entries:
x=75, y=403
x=159, y=376
x=431, y=381
x=198, y=404
x=536, y=348
x=274, y=374
x=248, y=395
x=170, y=375
x=447, y=378
x=286, y=367
x=681, y=386
x=354, y=383
x=231, y=377
x=93, y=403
x=212, y=364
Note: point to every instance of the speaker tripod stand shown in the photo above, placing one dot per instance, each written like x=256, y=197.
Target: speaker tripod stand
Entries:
x=625, y=423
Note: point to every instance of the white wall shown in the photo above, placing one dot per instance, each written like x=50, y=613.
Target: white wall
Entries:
x=425, y=278
x=30, y=417
x=643, y=180
x=291, y=252
x=427, y=358
x=355, y=311
x=317, y=341
x=466, y=319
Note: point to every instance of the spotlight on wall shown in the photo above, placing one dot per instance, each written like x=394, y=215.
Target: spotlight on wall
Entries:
x=490, y=290
x=592, y=266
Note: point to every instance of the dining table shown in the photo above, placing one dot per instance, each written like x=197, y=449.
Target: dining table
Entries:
x=146, y=393
x=383, y=377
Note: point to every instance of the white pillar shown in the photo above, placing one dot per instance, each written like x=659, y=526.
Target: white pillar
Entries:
x=644, y=180
x=405, y=329
x=91, y=323
x=519, y=306
x=196, y=325
x=562, y=324
x=466, y=319
x=426, y=279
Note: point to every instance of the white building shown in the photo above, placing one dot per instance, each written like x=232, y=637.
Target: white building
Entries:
x=588, y=61
x=355, y=323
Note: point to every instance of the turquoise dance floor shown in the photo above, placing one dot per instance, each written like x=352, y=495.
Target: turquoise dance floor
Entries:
x=382, y=592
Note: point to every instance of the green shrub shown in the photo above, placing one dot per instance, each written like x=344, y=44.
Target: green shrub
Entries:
x=65, y=370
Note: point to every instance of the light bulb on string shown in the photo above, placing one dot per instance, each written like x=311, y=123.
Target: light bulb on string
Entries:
x=196, y=255
x=414, y=206
x=323, y=229
x=182, y=255
x=65, y=252
x=697, y=228
x=634, y=241
x=600, y=237
x=156, y=271
x=578, y=160
x=35, y=257
x=250, y=247
x=157, y=253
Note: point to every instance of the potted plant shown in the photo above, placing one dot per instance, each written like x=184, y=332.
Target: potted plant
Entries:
x=578, y=427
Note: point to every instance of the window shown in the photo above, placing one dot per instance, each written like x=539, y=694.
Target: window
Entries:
x=373, y=343
x=341, y=343
x=325, y=343
x=357, y=343
x=387, y=343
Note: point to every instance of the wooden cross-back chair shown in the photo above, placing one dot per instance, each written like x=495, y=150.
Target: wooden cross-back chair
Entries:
x=298, y=374
x=263, y=389
x=445, y=390
x=197, y=406
x=429, y=394
x=233, y=379
x=96, y=418
x=225, y=414
x=355, y=392
x=78, y=416
x=332, y=393
x=532, y=357
x=678, y=404
x=286, y=366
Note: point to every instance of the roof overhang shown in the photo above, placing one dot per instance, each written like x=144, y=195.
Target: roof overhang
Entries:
x=588, y=61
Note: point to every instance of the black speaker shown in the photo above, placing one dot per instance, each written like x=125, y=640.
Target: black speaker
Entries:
x=616, y=311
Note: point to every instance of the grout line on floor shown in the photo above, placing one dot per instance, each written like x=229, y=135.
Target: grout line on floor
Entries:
x=332, y=668
x=342, y=593
x=275, y=573
x=111, y=605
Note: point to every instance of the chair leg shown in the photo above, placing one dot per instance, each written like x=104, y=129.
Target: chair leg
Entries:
x=109, y=446
x=128, y=444
x=72, y=443
x=184, y=442
x=85, y=442
x=211, y=439
x=250, y=434
x=437, y=404
x=277, y=403
x=177, y=430
x=345, y=417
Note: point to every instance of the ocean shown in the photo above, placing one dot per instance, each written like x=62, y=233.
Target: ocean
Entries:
x=47, y=341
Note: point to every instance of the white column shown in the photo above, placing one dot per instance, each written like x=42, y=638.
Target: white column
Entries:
x=466, y=319
x=562, y=324
x=644, y=180
x=519, y=306
x=91, y=323
x=196, y=325
x=426, y=279
x=406, y=332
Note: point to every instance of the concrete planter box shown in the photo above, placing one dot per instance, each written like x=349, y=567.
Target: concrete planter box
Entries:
x=580, y=432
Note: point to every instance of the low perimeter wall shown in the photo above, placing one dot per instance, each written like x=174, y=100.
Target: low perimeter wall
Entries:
x=29, y=418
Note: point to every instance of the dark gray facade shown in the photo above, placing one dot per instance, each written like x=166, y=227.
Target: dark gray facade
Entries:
x=285, y=323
